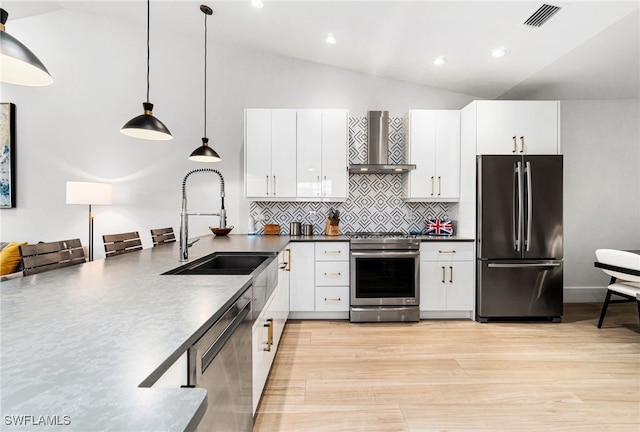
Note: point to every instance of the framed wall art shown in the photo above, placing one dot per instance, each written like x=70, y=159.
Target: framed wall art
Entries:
x=7, y=155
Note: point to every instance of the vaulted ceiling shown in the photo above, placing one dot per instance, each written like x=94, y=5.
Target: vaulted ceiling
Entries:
x=586, y=50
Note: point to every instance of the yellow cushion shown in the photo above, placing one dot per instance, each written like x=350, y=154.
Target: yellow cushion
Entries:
x=10, y=258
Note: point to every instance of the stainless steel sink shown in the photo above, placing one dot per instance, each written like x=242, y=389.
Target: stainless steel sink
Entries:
x=224, y=263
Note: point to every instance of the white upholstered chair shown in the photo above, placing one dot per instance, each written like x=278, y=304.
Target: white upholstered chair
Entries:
x=624, y=285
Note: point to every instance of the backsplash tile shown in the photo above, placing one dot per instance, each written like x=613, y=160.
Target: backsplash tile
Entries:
x=375, y=200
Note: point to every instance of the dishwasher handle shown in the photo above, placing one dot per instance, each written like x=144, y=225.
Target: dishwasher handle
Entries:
x=219, y=343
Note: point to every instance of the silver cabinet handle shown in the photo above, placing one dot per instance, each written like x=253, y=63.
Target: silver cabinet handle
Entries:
x=443, y=275
x=328, y=299
x=432, y=180
x=524, y=265
x=320, y=184
x=450, y=274
x=521, y=144
x=324, y=186
x=332, y=251
x=515, y=145
x=267, y=184
x=439, y=185
x=446, y=251
x=332, y=274
x=520, y=199
x=527, y=239
x=274, y=185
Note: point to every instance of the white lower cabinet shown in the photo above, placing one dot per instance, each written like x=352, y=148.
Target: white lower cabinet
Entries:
x=320, y=279
x=268, y=328
x=447, y=278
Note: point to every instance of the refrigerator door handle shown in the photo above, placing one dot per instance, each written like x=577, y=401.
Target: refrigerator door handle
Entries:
x=517, y=225
x=493, y=265
x=527, y=240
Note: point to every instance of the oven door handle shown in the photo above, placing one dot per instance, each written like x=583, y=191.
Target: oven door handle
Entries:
x=385, y=254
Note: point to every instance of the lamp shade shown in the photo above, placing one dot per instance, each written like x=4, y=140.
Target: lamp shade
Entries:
x=89, y=193
x=18, y=64
x=204, y=153
x=146, y=126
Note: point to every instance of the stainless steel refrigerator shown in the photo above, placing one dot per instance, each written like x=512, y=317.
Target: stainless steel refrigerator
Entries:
x=519, y=237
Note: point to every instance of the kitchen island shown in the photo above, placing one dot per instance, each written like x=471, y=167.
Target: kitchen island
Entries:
x=77, y=342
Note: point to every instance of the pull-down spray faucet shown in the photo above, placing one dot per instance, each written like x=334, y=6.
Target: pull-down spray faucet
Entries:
x=184, y=215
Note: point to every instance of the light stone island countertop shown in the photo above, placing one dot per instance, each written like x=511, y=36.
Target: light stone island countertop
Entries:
x=77, y=342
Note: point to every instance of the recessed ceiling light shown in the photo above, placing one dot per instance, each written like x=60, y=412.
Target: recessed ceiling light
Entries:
x=257, y=3
x=330, y=39
x=498, y=52
x=439, y=61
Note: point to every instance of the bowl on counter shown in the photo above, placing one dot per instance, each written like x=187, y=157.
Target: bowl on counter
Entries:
x=221, y=231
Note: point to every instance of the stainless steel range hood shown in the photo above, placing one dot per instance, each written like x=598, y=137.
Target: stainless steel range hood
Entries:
x=378, y=148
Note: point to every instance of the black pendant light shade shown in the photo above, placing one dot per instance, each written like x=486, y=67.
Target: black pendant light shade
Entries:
x=18, y=64
x=146, y=126
x=204, y=153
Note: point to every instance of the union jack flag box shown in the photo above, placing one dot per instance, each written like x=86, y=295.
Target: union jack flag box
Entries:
x=439, y=227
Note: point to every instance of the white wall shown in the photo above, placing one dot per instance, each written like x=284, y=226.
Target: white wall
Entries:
x=601, y=144
x=70, y=130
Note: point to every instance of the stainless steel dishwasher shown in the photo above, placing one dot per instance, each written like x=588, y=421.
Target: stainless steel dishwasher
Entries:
x=220, y=362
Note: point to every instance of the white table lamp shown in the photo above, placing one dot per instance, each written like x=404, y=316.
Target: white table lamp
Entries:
x=89, y=194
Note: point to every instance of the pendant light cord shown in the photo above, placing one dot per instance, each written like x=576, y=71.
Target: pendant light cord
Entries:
x=148, y=49
x=205, y=75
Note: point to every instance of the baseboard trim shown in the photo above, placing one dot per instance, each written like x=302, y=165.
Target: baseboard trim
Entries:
x=584, y=294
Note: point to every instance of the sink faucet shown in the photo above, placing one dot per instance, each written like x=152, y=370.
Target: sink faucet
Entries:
x=184, y=215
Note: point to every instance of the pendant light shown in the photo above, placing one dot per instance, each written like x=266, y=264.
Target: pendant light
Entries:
x=204, y=153
x=146, y=126
x=18, y=64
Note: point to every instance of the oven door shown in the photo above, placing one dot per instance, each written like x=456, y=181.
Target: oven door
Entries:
x=385, y=278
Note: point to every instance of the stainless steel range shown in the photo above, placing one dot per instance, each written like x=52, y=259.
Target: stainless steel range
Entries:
x=385, y=275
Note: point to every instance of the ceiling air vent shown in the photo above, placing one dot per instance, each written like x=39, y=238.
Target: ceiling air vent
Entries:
x=542, y=15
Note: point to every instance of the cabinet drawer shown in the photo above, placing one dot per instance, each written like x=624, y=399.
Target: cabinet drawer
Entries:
x=332, y=273
x=447, y=251
x=334, y=298
x=332, y=251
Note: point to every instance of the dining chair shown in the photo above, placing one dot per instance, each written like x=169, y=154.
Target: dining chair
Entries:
x=41, y=257
x=622, y=284
x=162, y=236
x=118, y=244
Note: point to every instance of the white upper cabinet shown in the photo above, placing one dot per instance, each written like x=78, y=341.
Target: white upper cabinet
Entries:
x=298, y=155
x=270, y=140
x=335, y=154
x=433, y=145
x=309, y=157
x=322, y=154
x=517, y=127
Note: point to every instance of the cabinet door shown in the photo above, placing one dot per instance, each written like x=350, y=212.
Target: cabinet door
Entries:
x=447, y=153
x=460, y=291
x=309, y=153
x=283, y=153
x=433, y=294
x=335, y=137
x=422, y=147
x=539, y=127
x=257, y=152
x=503, y=126
x=332, y=273
x=332, y=298
x=302, y=277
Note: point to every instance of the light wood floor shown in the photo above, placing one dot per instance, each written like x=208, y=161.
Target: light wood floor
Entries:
x=458, y=375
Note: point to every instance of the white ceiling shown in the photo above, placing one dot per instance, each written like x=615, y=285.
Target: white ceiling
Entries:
x=588, y=50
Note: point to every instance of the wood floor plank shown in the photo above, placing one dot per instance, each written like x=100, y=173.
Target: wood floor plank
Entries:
x=457, y=375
